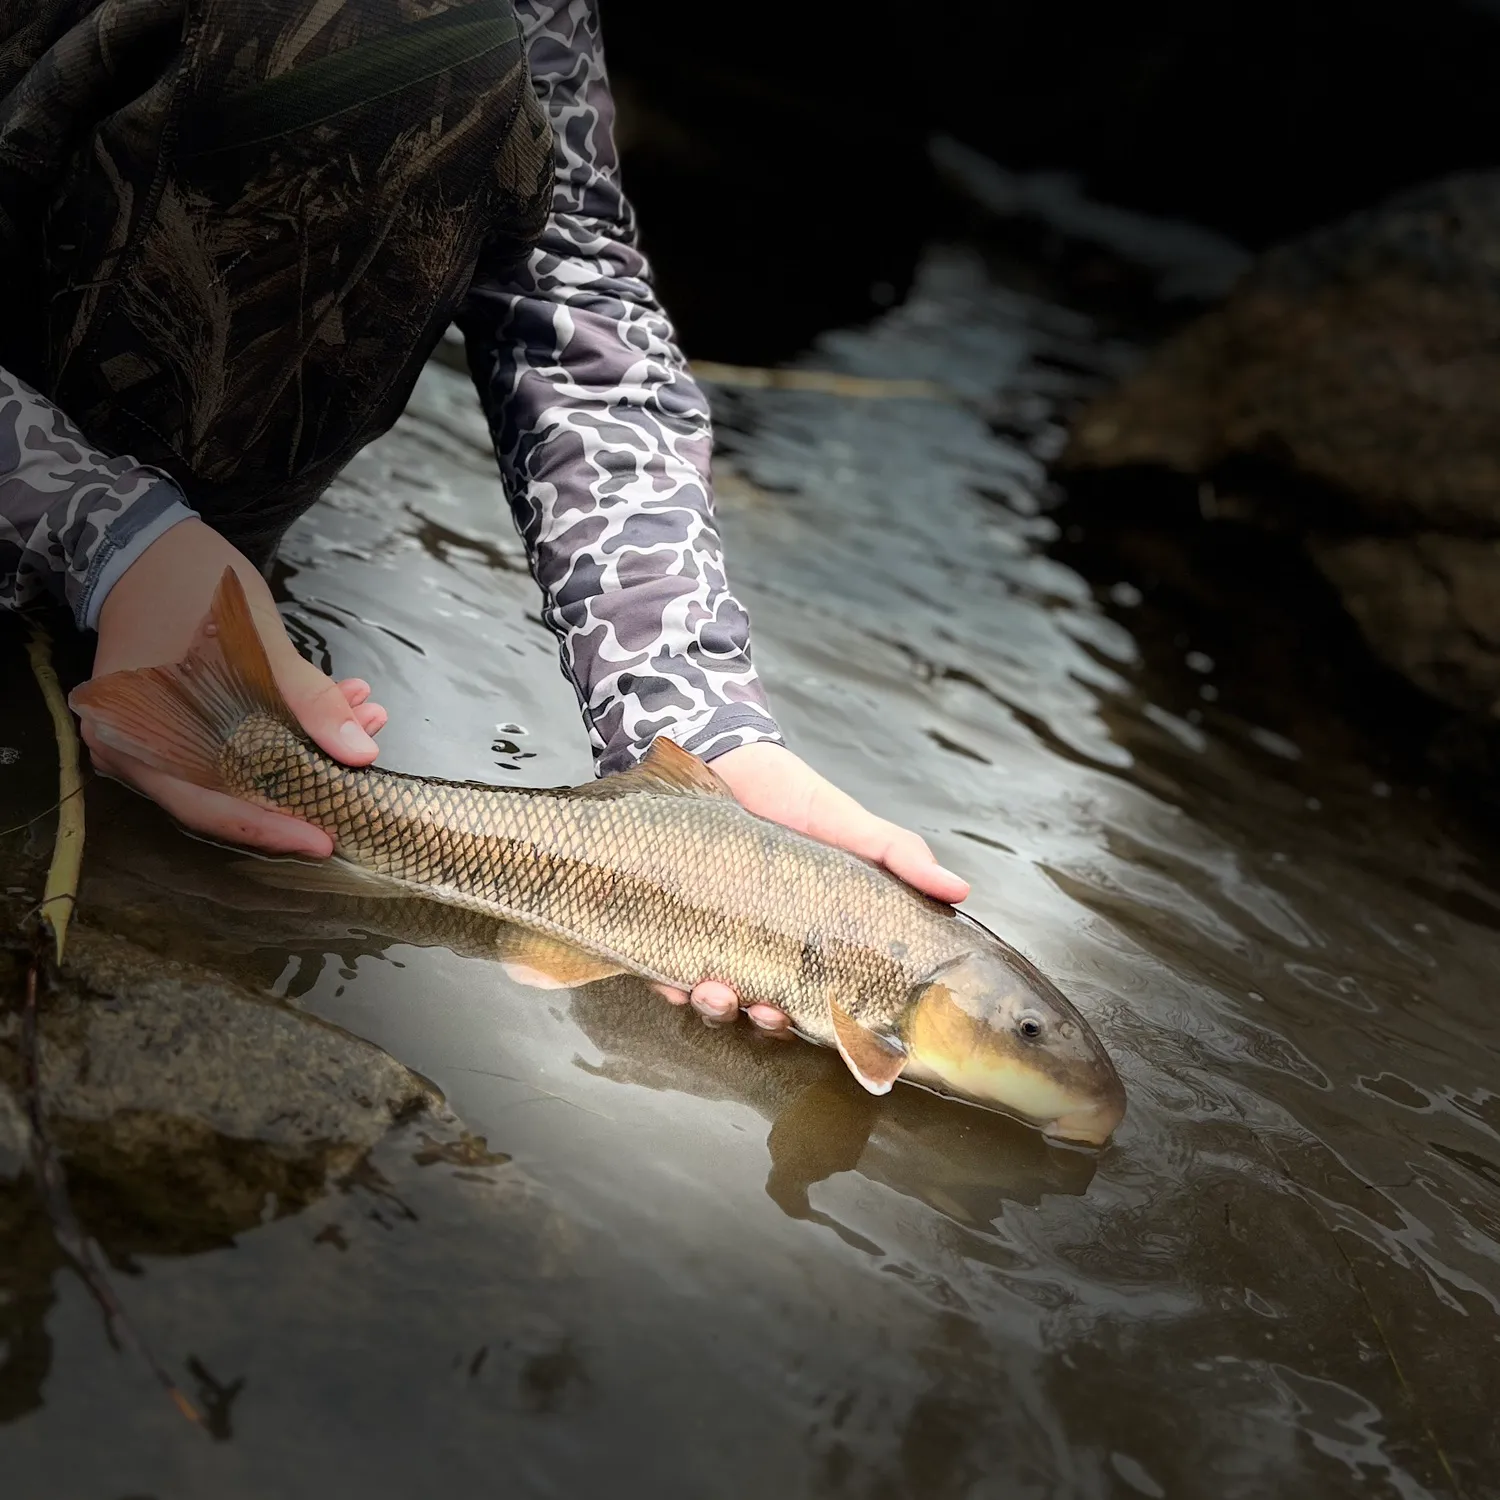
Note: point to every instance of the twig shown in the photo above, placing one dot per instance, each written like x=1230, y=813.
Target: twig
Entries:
x=1407, y=1390
x=46, y=812
x=60, y=894
x=1390, y=1354
x=51, y=923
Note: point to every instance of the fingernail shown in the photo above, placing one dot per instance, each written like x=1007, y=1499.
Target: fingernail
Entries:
x=355, y=740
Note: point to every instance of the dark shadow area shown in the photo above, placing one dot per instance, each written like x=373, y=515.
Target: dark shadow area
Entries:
x=782, y=171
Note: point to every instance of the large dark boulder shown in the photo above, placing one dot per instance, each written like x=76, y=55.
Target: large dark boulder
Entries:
x=1346, y=396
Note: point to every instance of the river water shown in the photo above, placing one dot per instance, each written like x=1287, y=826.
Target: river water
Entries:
x=712, y=1266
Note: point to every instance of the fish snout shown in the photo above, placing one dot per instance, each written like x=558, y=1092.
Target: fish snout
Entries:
x=1091, y=1125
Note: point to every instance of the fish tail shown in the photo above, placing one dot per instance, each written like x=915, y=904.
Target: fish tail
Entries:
x=179, y=718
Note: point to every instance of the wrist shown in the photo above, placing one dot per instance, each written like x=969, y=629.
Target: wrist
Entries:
x=127, y=537
x=709, y=733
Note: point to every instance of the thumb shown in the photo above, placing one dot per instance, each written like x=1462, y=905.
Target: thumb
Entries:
x=324, y=712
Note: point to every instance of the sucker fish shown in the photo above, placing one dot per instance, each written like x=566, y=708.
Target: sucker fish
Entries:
x=656, y=871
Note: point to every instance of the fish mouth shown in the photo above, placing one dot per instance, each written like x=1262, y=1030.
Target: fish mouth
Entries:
x=1028, y=1096
x=1090, y=1126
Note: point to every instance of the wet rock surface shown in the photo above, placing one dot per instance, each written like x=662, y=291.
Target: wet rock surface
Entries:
x=1343, y=398
x=179, y=1109
x=132, y=1031
x=196, y=1097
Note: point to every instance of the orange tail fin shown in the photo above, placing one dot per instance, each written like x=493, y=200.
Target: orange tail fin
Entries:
x=177, y=719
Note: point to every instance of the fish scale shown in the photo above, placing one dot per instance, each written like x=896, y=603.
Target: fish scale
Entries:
x=782, y=918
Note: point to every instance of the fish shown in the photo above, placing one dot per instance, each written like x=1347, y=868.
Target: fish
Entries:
x=656, y=871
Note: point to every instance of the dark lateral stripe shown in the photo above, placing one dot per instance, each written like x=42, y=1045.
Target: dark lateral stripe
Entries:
x=346, y=80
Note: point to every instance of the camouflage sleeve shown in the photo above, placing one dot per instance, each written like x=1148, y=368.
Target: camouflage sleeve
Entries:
x=603, y=441
x=71, y=518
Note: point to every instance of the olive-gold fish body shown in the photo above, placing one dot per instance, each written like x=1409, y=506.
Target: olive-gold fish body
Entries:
x=681, y=888
x=657, y=872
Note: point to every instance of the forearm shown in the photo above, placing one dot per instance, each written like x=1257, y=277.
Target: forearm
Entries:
x=72, y=519
x=603, y=441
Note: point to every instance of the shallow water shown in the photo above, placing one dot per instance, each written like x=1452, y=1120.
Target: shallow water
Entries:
x=714, y=1266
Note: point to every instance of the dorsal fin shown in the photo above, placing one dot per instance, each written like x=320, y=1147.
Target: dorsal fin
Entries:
x=666, y=768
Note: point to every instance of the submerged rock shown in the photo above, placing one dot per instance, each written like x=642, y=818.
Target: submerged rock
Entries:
x=1344, y=396
x=203, y=1107
x=185, y=1111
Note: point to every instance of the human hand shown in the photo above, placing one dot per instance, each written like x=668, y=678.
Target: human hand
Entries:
x=150, y=618
x=772, y=782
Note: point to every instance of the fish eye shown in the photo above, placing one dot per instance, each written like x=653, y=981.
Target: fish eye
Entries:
x=1029, y=1024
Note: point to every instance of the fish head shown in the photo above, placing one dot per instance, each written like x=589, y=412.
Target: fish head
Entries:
x=989, y=1027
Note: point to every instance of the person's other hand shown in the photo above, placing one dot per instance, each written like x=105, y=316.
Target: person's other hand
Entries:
x=772, y=782
x=149, y=619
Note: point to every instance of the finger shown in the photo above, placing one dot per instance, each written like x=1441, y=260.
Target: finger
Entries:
x=372, y=717
x=907, y=856
x=324, y=712
x=904, y=853
x=770, y=1019
x=715, y=1001
x=355, y=690
x=670, y=995
x=224, y=818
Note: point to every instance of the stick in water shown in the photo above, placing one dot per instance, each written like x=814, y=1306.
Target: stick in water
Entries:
x=59, y=897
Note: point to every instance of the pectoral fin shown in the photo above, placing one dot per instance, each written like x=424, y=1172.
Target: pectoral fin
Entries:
x=875, y=1060
x=549, y=963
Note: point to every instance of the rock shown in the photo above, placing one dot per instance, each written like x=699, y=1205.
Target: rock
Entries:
x=185, y=1111
x=1363, y=360
x=1429, y=606
x=1344, y=396
x=196, y=1108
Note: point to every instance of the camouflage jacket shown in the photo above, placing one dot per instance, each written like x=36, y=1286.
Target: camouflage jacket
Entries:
x=601, y=435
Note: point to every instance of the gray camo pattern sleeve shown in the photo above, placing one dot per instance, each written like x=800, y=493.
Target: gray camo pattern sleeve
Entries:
x=603, y=440
x=72, y=519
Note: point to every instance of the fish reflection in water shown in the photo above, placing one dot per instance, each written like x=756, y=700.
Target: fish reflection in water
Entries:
x=961, y=1161
x=964, y=1162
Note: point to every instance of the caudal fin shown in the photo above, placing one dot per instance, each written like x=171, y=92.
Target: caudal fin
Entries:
x=177, y=719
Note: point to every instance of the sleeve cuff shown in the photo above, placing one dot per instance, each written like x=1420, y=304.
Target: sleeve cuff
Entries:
x=125, y=538
x=724, y=728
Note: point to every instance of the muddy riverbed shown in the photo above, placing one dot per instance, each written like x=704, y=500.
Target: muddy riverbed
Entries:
x=695, y=1262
